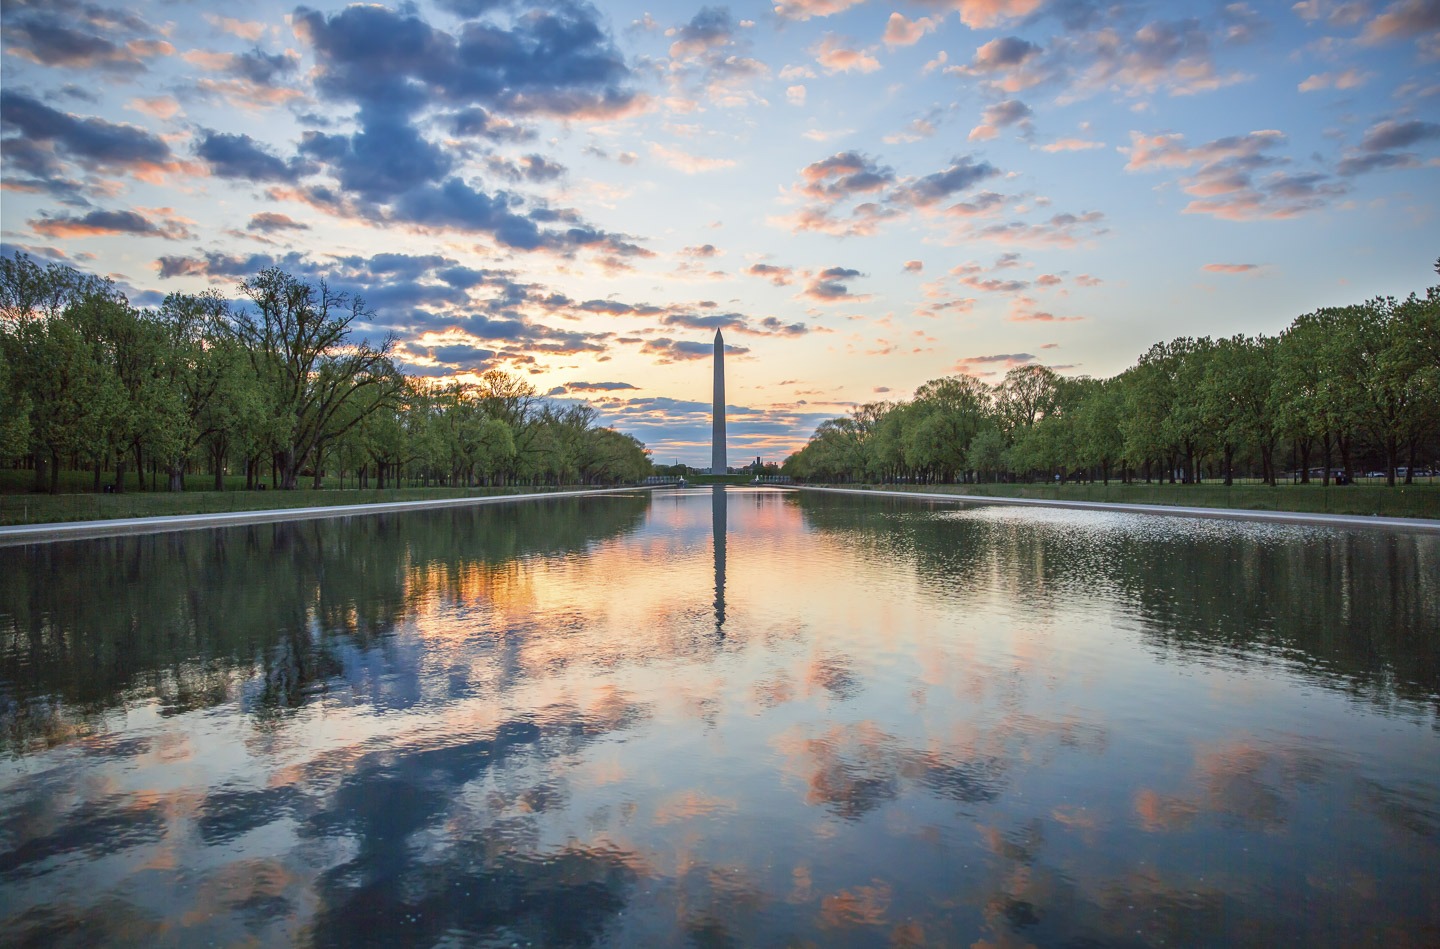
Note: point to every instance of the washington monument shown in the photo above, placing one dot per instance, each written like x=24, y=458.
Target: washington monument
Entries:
x=718, y=463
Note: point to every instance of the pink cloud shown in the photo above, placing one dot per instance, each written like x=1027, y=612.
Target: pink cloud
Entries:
x=1231, y=268
x=805, y=9
x=902, y=32
x=983, y=14
x=687, y=163
x=244, y=29
x=832, y=54
x=1402, y=20
x=1349, y=79
x=1071, y=145
x=1169, y=150
x=779, y=276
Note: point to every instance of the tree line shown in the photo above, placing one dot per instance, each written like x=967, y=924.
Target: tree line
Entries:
x=1339, y=388
x=281, y=386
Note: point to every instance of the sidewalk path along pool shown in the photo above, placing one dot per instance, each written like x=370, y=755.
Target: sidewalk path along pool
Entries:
x=83, y=530
x=1227, y=513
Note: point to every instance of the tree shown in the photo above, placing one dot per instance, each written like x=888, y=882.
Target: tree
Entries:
x=299, y=341
x=1234, y=398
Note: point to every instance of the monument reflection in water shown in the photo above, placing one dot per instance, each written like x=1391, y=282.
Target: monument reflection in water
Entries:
x=740, y=717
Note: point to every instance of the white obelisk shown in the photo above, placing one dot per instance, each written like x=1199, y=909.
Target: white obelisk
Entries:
x=718, y=460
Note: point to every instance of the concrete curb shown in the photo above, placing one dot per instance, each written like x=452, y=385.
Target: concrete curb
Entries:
x=84, y=530
x=1222, y=513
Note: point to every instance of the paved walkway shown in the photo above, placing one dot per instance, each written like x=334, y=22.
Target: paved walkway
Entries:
x=1226, y=513
x=81, y=530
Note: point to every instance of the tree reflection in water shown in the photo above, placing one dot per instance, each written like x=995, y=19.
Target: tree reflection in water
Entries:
x=722, y=717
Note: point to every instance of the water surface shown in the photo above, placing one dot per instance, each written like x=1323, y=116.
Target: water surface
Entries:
x=743, y=718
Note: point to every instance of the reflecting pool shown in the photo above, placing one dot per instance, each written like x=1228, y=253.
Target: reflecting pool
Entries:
x=751, y=717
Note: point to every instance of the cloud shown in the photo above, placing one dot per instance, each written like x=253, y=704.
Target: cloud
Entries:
x=1229, y=183
x=703, y=251
x=666, y=350
x=984, y=203
x=1231, y=268
x=1170, y=56
x=269, y=222
x=1169, y=150
x=914, y=266
x=240, y=156
x=779, y=276
x=1021, y=311
x=736, y=323
x=844, y=175
x=992, y=364
x=964, y=172
x=985, y=14
x=849, y=175
x=708, y=29
x=1402, y=20
x=81, y=37
x=687, y=163
x=805, y=9
x=708, y=56
x=902, y=32
x=535, y=169
x=1175, y=56
x=1379, y=148
x=1389, y=135
x=795, y=95
x=1060, y=230
x=1006, y=63
x=914, y=131
x=835, y=56
x=249, y=30
x=1002, y=115
x=1071, y=145
x=572, y=387
x=163, y=108
x=475, y=122
x=1349, y=79
x=384, y=159
x=103, y=223
x=253, y=81
x=1334, y=13
x=92, y=143
x=829, y=286
x=554, y=61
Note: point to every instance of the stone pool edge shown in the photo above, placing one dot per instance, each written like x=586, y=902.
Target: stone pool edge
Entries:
x=86, y=530
x=1223, y=513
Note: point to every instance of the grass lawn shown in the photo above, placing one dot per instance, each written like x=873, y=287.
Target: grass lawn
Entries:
x=19, y=506
x=1418, y=500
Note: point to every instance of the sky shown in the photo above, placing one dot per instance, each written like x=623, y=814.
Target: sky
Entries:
x=861, y=196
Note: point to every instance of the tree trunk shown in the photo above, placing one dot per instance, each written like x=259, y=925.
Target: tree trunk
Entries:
x=177, y=477
x=1229, y=464
x=1304, y=445
x=1410, y=470
x=54, y=473
x=139, y=469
